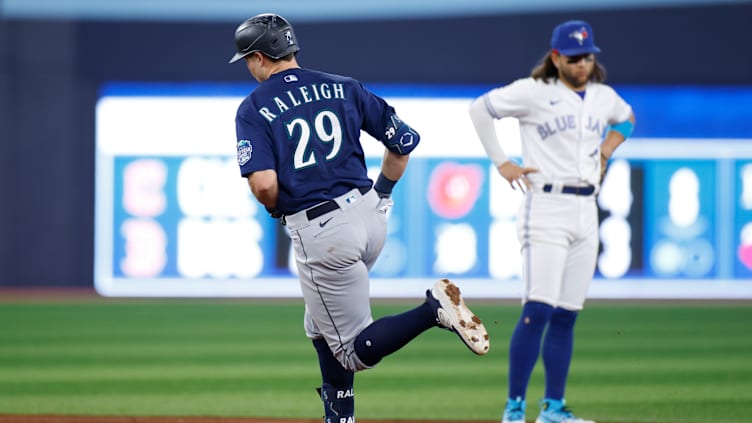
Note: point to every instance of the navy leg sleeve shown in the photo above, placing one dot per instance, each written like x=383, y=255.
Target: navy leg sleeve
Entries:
x=524, y=346
x=388, y=334
x=336, y=390
x=557, y=351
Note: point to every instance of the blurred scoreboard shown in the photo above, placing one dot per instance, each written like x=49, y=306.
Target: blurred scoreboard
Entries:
x=174, y=217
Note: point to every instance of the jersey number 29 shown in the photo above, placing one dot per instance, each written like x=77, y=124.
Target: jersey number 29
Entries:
x=328, y=129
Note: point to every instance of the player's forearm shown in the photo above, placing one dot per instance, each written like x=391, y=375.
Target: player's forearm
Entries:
x=612, y=141
x=486, y=130
x=393, y=165
x=614, y=138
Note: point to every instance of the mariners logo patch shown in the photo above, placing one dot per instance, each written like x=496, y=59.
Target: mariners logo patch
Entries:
x=244, y=151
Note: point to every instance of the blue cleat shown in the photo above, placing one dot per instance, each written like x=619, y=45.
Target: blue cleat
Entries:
x=555, y=411
x=514, y=412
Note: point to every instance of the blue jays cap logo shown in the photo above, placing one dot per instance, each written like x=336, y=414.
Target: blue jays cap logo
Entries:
x=579, y=35
x=572, y=38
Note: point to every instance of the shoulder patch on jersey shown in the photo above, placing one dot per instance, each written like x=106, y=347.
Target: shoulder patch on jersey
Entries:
x=244, y=151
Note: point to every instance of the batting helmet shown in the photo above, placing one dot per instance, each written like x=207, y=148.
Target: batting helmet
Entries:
x=268, y=33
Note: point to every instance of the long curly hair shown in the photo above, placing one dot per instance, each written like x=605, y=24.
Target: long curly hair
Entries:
x=546, y=70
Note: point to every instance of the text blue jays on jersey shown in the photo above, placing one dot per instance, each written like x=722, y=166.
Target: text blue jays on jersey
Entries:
x=567, y=123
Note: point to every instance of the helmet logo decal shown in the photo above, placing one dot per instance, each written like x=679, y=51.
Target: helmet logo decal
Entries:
x=267, y=33
x=579, y=35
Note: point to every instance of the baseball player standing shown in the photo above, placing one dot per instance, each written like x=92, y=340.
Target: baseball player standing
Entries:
x=298, y=144
x=564, y=110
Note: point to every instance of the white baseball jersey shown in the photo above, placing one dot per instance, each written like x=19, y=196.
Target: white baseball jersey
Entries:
x=561, y=132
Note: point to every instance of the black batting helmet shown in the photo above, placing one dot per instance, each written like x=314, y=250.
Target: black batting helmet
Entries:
x=268, y=33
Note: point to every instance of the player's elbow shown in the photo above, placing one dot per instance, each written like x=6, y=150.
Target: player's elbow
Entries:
x=266, y=196
x=264, y=187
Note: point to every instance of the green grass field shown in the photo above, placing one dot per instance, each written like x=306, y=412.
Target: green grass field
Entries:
x=657, y=362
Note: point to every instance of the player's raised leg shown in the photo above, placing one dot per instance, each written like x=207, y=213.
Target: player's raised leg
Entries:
x=443, y=307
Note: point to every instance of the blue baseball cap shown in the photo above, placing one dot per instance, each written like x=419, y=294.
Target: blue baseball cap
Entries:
x=573, y=38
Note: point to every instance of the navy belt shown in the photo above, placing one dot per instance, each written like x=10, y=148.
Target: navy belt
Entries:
x=567, y=189
x=328, y=206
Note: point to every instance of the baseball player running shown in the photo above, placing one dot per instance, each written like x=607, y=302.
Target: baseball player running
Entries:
x=564, y=110
x=298, y=145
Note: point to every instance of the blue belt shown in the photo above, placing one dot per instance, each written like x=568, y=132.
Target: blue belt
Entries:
x=567, y=189
x=328, y=206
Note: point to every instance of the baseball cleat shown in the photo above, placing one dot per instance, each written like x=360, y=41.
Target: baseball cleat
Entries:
x=514, y=411
x=554, y=411
x=452, y=314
